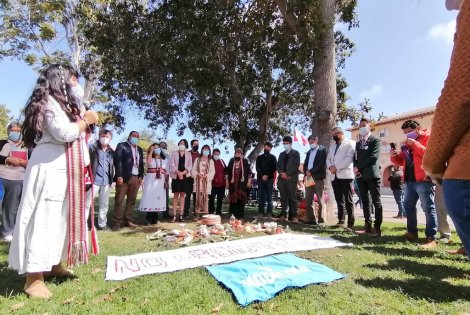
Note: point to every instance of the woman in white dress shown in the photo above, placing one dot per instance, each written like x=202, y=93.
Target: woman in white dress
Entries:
x=48, y=216
x=155, y=183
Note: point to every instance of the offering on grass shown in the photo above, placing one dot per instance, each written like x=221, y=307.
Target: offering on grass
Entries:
x=211, y=219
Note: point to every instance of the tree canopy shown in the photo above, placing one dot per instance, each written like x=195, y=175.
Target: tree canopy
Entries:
x=223, y=69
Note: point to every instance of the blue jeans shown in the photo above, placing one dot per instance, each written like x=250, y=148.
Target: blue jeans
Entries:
x=265, y=194
x=457, y=198
x=398, y=194
x=424, y=192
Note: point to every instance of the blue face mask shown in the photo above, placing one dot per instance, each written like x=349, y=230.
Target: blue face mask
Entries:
x=157, y=151
x=205, y=152
x=14, y=136
x=134, y=140
x=287, y=147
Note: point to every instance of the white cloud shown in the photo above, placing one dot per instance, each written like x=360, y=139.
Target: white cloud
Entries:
x=372, y=92
x=442, y=32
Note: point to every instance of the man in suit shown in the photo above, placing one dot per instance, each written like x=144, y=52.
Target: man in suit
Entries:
x=288, y=170
x=315, y=168
x=129, y=170
x=265, y=170
x=367, y=171
x=340, y=166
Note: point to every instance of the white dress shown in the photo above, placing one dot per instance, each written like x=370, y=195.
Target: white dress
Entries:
x=40, y=235
x=154, y=192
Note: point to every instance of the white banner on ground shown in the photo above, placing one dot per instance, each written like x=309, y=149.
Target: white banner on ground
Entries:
x=120, y=268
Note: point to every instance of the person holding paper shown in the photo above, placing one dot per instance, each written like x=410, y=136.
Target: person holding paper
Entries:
x=13, y=161
x=315, y=174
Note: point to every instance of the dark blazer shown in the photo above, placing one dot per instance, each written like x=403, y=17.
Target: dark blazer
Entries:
x=265, y=165
x=123, y=161
x=318, y=170
x=292, y=167
x=93, y=149
x=366, y=158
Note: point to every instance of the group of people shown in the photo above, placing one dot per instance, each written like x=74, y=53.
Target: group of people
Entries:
x=54, y=180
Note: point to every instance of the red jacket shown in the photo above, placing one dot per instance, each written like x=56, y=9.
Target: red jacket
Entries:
x=419, y=148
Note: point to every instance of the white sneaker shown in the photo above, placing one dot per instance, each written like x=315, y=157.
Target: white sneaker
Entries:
x=8, y=238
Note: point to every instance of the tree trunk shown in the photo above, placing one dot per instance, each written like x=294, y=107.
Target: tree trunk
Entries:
x=325, y=90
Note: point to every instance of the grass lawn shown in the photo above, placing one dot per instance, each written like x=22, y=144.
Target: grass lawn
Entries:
x=384, y=276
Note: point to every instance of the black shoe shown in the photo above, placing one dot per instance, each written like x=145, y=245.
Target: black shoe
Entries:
x=320, y=221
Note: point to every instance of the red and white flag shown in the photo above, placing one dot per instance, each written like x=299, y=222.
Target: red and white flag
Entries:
x=298, y=137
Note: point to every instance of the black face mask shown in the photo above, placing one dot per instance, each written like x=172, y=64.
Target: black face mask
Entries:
x=336, y=138
x=266, y=151
x=237, y=158
x=195, y=148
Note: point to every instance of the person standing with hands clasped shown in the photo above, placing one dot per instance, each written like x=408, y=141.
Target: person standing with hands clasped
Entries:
x=238, y=171
x=265, y=170
x=203, y=172
x=129, y=165
x=153, y=200
x=367, y=171
x=218, y=184
x=315, y=174
x=340, y=167
x=288, y=168
x=50, y=225
x=181, y=164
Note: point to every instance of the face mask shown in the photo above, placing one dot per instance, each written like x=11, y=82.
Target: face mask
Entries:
x=287, y=147
x=313, y=146
x=164, y=151
x=134, y=140
x=195, y=148
x=266, y=151
x=205, y=152
x=104, y=140
x=216, y=157
x=336, y=138
x=78, y=92
x=412, y=135
x=182, y=147
x=363, y=131
x=14, y=136
x=157, y=151
x=237, y=158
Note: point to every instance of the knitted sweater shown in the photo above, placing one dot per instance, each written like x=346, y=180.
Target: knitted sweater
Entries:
x=450, y=138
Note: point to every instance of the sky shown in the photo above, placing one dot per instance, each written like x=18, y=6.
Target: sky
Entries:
x=401, y=60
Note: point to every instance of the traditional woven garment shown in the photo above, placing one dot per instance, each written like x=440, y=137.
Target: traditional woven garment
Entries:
x=202, y=167
x=238, y=191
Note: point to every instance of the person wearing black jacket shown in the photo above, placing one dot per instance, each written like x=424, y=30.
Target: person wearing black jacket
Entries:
x=102, y=170
x=315, y=168
x=238, y=174
x=396, y=184
x=265, y=170
x=367, y=170
x=129, y=172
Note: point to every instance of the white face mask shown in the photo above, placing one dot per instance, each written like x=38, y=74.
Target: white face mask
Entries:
x=104, y=140
x=453, y=4
x=182, y=147
x=78, y=92
x=364, y=131
x=216, y=157
x=313, y=146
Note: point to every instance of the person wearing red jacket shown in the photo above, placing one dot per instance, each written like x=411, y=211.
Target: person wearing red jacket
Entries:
x=417, y=185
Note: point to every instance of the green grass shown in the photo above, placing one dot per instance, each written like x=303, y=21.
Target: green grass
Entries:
x=384, y=276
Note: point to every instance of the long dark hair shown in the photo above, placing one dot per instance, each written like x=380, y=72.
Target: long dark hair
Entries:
x=53, y=81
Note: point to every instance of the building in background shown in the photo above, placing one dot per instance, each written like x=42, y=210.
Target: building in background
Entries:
x=389, y=131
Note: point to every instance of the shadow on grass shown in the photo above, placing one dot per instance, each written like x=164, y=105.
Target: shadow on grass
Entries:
x=11, y=283
x=430, y=280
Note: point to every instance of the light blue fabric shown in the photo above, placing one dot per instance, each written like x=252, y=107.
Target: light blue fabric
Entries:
x=261, y=279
